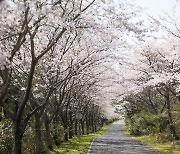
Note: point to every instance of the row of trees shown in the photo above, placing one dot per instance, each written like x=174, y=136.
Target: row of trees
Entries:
x=53, y=56
x=46, y=74
x=151, y=87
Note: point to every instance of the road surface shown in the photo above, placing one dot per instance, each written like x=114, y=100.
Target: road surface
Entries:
x=114, y=141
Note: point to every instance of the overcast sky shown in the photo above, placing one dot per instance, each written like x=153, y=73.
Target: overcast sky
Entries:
x=157, y=7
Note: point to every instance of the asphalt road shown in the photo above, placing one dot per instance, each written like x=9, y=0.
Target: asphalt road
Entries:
x=114, y=141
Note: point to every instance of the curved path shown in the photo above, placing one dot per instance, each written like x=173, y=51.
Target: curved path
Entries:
x=114, y=141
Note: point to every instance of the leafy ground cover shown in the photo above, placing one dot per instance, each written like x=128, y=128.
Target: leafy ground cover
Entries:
x=151, y=141
x=78, y=145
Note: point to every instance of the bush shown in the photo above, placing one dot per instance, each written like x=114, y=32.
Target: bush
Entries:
x=164, y=137
x=111, y=120
x=6, y=137
x=144, y=123
x=28, y=141
x=134, y=129
x=176, y=115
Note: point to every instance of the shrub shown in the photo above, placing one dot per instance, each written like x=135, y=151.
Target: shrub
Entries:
x=6, y=137
x=28, y=141
x=111, y=119
x=146, y=123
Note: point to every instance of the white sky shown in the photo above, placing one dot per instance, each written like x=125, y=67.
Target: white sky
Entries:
x=157, y=7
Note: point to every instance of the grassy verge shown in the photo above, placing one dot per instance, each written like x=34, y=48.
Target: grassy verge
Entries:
x=163, y=148
x=78, y=145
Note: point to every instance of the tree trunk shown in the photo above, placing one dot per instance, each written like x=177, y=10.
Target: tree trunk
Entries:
x=95, y=128
x=92, y=124
x=17, y=145
x=87, y=126
x=17, y=138
x=70, y=131
x=66, y=128
x=76, y=127
x=48, y=133
x=55, y=134
x=82, y=126
x=172, y=126
x=66, y=135
x=70, y=125
x=79, y=127
x=38, y=141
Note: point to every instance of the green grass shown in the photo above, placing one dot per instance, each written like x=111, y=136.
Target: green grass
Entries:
x=78, y=145
x=163, y=148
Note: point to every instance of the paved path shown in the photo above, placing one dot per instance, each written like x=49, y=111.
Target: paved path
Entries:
x=114, y=141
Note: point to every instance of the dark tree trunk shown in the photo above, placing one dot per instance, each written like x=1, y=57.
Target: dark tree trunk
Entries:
x=66, y=136
x=38, y=141
x=19, y=128
x=71, y=131
x=55, y=134
x=48, y=133
x=17, y=138
x=82, y=126
x=95, y=128
x=65, y=127
x=172, y=126
x=70, y=125
x=76, y=127
x=87, y=126
x=79, y=128
x=92, y=124
x=17, y=144
x=56, y=139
